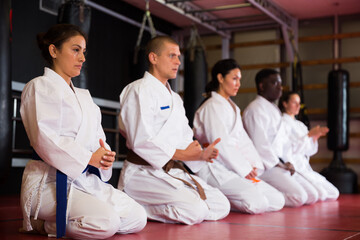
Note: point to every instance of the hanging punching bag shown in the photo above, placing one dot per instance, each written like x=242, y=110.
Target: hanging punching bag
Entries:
x=140, y=63
x=338, y=137
x=5, y=90
x=338, y=110
x=77, y=13
x=195, y=76
x=297, y=86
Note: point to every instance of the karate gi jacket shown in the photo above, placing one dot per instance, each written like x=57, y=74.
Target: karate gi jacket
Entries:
x=262, y=121
x=300, y=147
x=63, y=125
x=153, y=121
x=218, y=117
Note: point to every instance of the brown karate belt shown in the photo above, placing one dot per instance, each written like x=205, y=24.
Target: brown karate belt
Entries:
x=136, y=159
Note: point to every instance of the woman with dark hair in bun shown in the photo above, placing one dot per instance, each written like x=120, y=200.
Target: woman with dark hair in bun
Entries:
x=64, y=190
x=235, y=172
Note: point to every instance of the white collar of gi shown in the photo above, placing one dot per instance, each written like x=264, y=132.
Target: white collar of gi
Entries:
x=215, y=95
x=268, y=103
x=56, y=78
x=287, y=116
x=158, y=83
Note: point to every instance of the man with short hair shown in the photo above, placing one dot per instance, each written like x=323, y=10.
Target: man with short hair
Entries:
x=262, y=121
x=152, y=119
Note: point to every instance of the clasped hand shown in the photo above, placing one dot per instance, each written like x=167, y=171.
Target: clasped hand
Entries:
x=195, y=152
x=317, y=132
x=102, y=158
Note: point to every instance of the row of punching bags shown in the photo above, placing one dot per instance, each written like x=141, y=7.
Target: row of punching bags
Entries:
x=77, y=13
x=195, y=79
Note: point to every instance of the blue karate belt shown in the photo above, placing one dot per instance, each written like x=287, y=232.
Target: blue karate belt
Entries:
x=61, y=195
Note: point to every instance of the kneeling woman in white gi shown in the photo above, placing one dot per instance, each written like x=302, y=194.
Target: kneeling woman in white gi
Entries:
x=303, y=144
x=65, y=193
x=235, y=170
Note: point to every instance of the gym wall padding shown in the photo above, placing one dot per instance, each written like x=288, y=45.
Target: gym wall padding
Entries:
x=5, y=90
x=139, y=64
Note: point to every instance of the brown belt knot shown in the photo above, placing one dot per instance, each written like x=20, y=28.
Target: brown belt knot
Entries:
x=136, y=159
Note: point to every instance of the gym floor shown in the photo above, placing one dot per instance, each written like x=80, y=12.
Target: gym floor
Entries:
x=323, y=220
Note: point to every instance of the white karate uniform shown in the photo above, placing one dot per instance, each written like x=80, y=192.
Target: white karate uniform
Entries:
x=153, y=121
x=299, y=150
x=218, y=117
x=64, y=127
x=262, y=121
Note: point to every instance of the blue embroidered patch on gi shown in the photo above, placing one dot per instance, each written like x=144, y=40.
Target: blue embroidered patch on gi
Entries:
x=165, y=107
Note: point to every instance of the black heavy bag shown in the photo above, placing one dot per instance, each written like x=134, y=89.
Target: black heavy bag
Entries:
x=297, y=86
x=195, y=74
x=195, y=71
x=139, y=63
x=78, y=13
x=5, y=90
x=338, y=110
x=338, y=137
